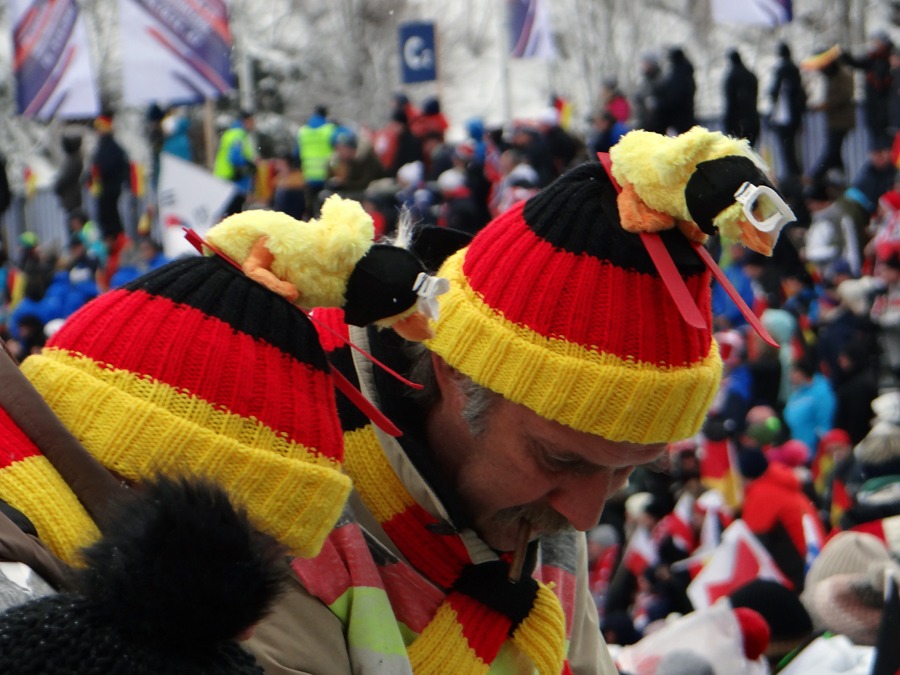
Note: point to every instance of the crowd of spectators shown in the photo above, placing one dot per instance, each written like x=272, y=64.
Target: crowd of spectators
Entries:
x=802, y=445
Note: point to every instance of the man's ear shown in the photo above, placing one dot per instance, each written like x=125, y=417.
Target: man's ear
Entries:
x=447, y=379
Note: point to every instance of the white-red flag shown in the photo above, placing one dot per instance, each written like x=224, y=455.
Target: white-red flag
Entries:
x=640, y=553
x=189, y=197
x=678, y=523
x=739, y=559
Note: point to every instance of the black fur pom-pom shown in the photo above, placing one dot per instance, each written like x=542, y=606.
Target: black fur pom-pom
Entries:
x=182, y=568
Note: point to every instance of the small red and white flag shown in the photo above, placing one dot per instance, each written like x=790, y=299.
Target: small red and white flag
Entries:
x=641, y=552
x=739, y=559
x=677, y=525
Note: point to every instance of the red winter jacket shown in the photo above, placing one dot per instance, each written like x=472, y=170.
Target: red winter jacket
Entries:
x=774, y=506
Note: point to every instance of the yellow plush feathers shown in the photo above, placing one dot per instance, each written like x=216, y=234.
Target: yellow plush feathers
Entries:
x=316, y=256
x=656, y=169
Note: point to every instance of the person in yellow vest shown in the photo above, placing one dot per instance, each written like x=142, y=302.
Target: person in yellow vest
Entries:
x=315, y=143
x=236, y=159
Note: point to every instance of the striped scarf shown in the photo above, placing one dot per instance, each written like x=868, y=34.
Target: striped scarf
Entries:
x=456, y=616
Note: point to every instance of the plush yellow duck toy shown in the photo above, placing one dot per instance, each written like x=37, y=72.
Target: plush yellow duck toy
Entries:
x=699, y=182
x=332, y=262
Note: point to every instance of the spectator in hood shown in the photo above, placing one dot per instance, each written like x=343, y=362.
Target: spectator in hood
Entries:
x=741, y=90
x=676, y=102
x=774, y=509
x=876, y=66
x=837, y=105
x=430, y=120
x=403, y=146
x=458, y=210
x=67, y=185
x=809, y=411
x=875, y=178
x=646, y=98
x=788, y=103
x=110, y=172
x=606, y=132
x=612, y=100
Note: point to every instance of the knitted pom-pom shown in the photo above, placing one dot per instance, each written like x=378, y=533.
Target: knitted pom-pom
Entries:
x=754, y=630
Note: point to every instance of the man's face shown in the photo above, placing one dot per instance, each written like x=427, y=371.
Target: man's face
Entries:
x=522, y=466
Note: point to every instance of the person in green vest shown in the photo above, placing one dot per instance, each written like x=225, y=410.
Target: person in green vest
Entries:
x=315, y=143
x=236, y=159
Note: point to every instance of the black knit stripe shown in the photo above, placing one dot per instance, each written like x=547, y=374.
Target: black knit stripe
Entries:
x=488, y=584
x=217, y=289
x=578, y=213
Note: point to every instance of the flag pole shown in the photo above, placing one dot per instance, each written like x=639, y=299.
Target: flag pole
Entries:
x=504, y=60
x=209, y=133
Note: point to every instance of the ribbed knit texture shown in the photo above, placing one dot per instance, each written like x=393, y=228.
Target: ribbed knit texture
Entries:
x=555, y=306
x=194, y=369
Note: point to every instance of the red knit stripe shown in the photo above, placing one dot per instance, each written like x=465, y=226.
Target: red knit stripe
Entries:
x=329, y=322
x=568, y=296
x=14, y=444
x=441, y=558
x=484, y=629
x=208, y=359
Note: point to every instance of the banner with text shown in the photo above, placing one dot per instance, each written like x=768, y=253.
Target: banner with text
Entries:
x=175, y=51
x=52, y=62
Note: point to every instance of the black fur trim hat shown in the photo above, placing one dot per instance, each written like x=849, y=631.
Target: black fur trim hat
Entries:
x=178, y=576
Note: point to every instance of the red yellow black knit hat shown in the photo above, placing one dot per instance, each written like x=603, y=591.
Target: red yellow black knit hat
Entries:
x=195, y=369
x=554, y=306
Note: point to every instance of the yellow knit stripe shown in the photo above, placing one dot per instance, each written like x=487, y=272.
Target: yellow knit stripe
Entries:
x=442, y=648
x=590, y=391
x=33, y=487
x=248, y=431
x=295, y=501
x=542, y=634
x=373, y=476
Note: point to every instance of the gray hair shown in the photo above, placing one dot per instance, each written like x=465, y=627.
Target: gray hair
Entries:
x=479, y=399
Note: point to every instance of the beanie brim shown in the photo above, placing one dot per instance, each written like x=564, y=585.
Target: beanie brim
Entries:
x=127, y=422
x=588, y=390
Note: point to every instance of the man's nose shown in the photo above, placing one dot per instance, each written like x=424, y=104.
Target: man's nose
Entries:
x=581, y=499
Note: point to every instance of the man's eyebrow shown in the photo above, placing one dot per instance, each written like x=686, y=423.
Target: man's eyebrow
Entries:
x=567, y=458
